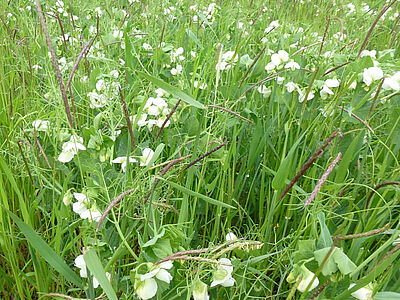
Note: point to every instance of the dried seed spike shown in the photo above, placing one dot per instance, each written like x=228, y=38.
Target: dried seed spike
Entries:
x=205, y=155
x=312, y=159
x=41, y=149
x=167, y=119
x=323, y=179
x=55, y=64
x=25, y=162
x=128, y=121
x=111, y=205
x=231, y=112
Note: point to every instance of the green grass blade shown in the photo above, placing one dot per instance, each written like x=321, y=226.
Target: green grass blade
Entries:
x=197, y=195
x=46, y=251
x=172, y=90
x=94, y=265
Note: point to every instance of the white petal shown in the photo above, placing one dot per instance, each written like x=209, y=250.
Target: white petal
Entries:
x=164, y=275
x=229, y=281
x=226, y=265
x=80, y=262
x=79, y=207
x=119, y=160
x=80, y=197
x=149, y=275
x=85, y=214
x=66, y=156
x=147, y=289
x=166, y=265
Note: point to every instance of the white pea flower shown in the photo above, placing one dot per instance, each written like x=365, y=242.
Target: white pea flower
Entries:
x=84, y=210
x=302, y=96
x=200, y=291
x=177, y=70
x=292, y=65
x=223, y=275
x=161, y=93
x=228, y=56
x=278, y=58
x=262, y=89
x=391, y=83
x=142, y=122
x=353, y=85
x=223, y=65
x=365, y=293
x=118, y=34
x=332, y=83
x=123, y=160
x=307, y=276
x=155, y=106
x=272, y=26
x=372, y=74
x=325, y=92
x=70, y=149
x=114, y=73
x=147, y=47
x=201, y=86
x=231, y=237
x=269, y=67
x=161, y=121
x=81, y=264
x=37, y=67
x=100, y=85
x=146, y=286
x=371, y=53
x=96, y=100
x=40, y=125
x=291, y=86
x=146, y=157
x=98, y=11
x=279, y=80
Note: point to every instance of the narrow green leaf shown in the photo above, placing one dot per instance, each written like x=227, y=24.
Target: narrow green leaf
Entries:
x=325, y=240
x=197, y=195
x=191, y=35
x=387, y=296
x=172, y=90
x=284, y=169
x=156, y=154
x=46, y=251
x=94, y=265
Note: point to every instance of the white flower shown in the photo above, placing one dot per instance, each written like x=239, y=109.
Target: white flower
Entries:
x=96, y=100
x=83, y=209
x=278, y=58
x=372, y=74
x=81, y=264
x=223, y=275
x=155, y=106
x=269, y=67
x=100, y=85
x=123, y=160
x=37, y=67
x=201, y=86
x=161, y=93
x=272, y=26
x=291, y=86
x=292, y=65
x=70, y=149
x=114, y=73
x=147, y=47
x=231, y=237
x=325, y=92
x=302, y=96
x=353, y=85
x=332, y=83
x=142, y=122
x=371, y=53
x=391, y=83
x=146, y=287
x=228, y=56
x=67, y=199
x=177, y=70
x=223, y=65
x=307, y=276
x=264, y=90
x=200, y=291
x=40, y=125
x=146, y=157
x=279, y=80
x=98, y=11
x=364, y=293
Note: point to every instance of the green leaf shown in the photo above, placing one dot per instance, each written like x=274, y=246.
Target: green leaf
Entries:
x=162, y=248
x=191, y=35
x=284, y=169
x=387, y=296
x=305, y=250
x=347, y=158
x=94, y=265
x=345, y=265
x=325, y=240
x=46, y=251
x=197, y=195
x=172, y=90
x=154, y=239
x=330, y=266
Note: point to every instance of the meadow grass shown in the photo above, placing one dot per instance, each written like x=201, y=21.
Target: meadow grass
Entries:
x=261, y=136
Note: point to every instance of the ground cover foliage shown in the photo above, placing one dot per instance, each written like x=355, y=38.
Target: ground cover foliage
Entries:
x=199, y=150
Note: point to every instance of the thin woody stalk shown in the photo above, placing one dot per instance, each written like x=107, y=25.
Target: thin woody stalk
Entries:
x=128, y=121
x=55, y=64
x=205, y=155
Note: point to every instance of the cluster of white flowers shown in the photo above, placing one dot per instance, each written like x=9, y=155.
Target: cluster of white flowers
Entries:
x=226, y=61
x=155, y=111
x=209, y=12
x=277, y=62
x=144, y=160
x=105, y=90
x=177, y=57
x=70, y=148
x=81, y=264
x=40, y=125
